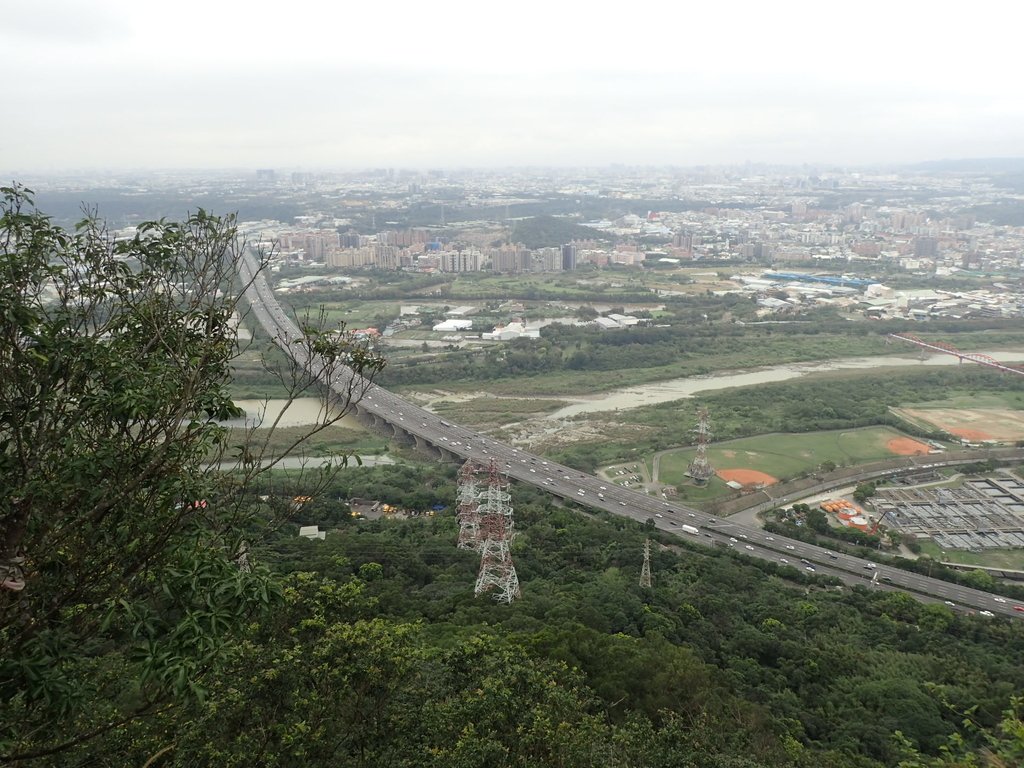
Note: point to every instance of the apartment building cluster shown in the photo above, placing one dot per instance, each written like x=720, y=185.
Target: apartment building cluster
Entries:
x=929, y=224
x=915, y=240
x=419, y=250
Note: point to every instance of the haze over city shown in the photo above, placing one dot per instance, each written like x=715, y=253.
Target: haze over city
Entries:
x=116, y=85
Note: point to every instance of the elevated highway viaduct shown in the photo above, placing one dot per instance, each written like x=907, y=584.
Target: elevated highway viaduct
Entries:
x=454, y=442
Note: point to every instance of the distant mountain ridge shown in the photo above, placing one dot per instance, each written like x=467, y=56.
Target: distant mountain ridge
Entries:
x=973, y=165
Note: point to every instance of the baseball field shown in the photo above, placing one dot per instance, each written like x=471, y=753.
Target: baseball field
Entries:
x=768, y=458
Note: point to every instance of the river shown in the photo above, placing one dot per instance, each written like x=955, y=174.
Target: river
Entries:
x=302, y=412
x=307, y=410
x=675, y=389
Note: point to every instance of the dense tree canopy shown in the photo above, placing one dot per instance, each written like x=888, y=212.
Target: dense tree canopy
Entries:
x=121, y=547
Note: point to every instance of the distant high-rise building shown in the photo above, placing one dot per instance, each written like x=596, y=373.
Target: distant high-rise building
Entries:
x=762, y=252
x=511, y=258
x=387, y=256
x=460, y=261
x=352, y=257
x=265, y=174
x=548, y=260
x=316, y=246
x=926, y=246
x=569, y=257
x=503, y=259
x=685, y=240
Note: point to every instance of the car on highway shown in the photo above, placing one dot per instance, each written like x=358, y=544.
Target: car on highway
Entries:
x=989, y=614
x=949, y=602
x=790, y=546
x=999, y=599
x=733, y=540
x=784, y=560
x=750, y=547
x=809, y=568
x=1019, y=608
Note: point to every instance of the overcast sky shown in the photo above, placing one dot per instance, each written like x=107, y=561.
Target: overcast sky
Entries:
x=115, y=84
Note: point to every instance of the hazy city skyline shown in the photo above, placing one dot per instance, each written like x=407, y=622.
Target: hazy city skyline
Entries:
x=117, y=85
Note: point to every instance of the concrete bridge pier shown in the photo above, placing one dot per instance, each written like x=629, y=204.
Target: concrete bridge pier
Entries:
x=384, y=426
x=403, y=437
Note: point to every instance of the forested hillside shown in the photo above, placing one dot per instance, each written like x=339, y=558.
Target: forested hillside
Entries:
x=379, y=654
x=551, y=231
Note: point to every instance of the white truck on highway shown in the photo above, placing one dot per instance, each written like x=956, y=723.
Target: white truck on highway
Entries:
x=690, y=529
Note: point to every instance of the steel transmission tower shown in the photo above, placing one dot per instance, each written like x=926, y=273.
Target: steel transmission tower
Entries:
x=496, y=532
x=700, y=468
x=645, y=571
x=467, y=507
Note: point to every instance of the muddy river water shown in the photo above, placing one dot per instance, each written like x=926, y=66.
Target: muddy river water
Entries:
x=674, y=389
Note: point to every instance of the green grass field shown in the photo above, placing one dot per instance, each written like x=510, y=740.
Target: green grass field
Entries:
x=1000, y=400
x=1012, y=559
x=482, y=412
x=354, y=313
x=507, y=405
x=551, y=286
x=785, y=456
x=334, y=439
x=359, y=313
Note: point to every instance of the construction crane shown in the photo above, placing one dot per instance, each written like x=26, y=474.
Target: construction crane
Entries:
x=949, y=349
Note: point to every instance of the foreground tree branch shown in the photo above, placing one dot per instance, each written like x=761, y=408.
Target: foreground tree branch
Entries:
x=119, y=533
